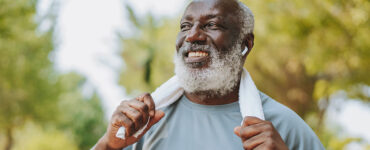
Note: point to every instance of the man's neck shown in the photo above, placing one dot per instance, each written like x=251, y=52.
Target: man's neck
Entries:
x=206, y=98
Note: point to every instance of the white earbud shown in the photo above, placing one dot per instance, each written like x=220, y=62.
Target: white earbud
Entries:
x=245, y=50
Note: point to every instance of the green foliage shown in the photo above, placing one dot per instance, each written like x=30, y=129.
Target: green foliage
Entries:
x=26, y=77
x=33, y=93
x=148, y=55
x=82, y=118
x=307, y=50
x=33, y=137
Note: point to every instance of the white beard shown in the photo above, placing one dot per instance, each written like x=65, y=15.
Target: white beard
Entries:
x=218, y=79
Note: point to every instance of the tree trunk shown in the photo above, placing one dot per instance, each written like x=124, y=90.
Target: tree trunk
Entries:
x=9, y=137
x=321, y=115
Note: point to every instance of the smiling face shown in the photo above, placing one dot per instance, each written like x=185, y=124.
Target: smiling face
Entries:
x=208, y=47
x=208, y=23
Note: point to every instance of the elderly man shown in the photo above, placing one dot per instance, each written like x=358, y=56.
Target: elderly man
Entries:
x=209, y=66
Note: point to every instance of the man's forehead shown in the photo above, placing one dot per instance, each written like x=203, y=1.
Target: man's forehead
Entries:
x=211, y=8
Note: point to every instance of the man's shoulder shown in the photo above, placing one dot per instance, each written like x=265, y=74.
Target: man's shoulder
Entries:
x=275, y=111
x=281, y=116
x=292, y=128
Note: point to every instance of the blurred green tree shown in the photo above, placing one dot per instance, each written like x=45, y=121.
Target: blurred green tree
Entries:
x=34, y=137
x=26, y=79
x=304, y=52
x=32, y=91
x=148, y=53
x=81, y=117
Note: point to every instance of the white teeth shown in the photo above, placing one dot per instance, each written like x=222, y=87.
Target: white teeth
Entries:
x=203, y=54
x=191, y=54
x=197, y=54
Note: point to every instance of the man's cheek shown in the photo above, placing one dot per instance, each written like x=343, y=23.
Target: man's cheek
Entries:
x=179, y=42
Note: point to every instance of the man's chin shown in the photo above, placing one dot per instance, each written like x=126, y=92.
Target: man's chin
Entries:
x=205, y=92
x=196, y=66
x=210, y=92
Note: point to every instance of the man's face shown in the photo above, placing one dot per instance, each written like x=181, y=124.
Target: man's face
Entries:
x=208, y=48
x=208, y=23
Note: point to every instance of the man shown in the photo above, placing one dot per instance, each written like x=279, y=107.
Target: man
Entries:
x=208, y=64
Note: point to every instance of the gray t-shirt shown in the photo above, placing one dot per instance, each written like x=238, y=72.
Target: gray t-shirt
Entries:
x=191, y=126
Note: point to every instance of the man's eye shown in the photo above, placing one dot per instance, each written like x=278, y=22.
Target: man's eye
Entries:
x=185, y=27
x=212, y=26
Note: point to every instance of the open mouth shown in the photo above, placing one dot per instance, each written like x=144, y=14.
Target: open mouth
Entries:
x=197, y=58
x=197, y=54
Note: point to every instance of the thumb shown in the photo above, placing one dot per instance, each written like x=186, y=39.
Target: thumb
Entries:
x=237, y=130
x=153, y=120
x=157, y=116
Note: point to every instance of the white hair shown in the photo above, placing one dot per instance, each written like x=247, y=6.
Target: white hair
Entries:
x=246, y=19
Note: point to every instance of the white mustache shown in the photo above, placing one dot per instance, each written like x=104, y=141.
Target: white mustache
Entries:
x=187, y=47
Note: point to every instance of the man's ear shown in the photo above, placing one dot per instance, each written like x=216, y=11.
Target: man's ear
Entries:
x=249, y=42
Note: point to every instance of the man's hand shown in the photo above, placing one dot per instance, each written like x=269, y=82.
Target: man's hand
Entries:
x=258, y=134
x=133, y=115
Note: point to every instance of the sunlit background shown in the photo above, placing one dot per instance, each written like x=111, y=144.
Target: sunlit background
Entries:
x=66, y=64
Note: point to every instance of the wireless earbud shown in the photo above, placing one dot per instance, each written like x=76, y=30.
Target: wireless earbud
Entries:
x=245, y=50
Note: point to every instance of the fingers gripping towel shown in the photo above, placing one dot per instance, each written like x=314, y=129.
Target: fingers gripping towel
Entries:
x=169, y=92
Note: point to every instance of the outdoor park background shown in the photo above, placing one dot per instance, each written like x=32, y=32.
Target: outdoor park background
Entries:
x=66, y=64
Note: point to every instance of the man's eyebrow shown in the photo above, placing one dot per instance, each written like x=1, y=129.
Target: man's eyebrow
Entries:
x=211, y=16
x=188, y=17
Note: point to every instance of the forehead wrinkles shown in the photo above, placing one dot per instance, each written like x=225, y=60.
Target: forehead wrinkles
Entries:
x=197, y=10
x=203, y=9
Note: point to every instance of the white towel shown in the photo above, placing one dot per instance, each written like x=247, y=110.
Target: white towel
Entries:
x=166, y=94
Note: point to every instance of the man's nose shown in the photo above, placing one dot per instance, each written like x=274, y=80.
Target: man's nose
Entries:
x=195, y=35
